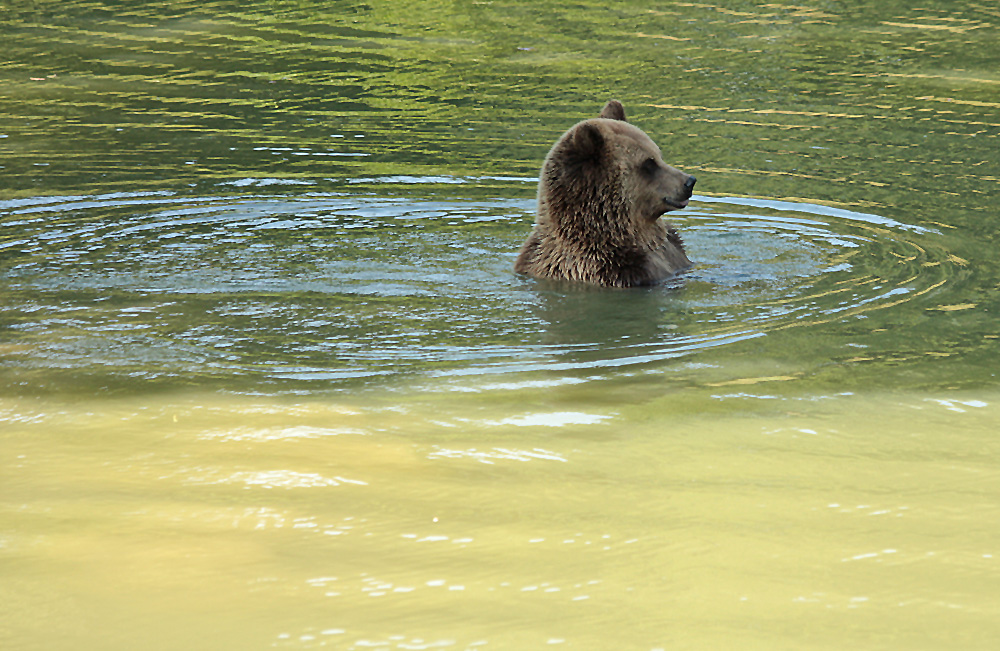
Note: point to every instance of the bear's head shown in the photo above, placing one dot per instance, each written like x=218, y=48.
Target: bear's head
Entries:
x=610, y=156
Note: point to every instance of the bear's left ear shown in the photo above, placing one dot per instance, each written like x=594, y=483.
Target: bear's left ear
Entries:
x=613, y=110
x=588, y=141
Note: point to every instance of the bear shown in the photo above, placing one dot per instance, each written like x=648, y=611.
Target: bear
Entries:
x=601, y=193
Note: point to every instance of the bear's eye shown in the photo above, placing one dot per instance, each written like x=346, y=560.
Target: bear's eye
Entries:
x=649, y=166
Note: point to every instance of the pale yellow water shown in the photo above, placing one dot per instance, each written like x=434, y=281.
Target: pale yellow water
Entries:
x=734, y=516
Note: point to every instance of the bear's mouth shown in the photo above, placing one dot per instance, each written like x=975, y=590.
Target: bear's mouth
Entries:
x=676, y=205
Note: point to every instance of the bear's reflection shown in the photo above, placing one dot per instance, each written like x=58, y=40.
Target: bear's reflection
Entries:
x=590, y=323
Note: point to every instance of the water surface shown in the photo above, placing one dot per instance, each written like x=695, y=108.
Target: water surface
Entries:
x=267, y=378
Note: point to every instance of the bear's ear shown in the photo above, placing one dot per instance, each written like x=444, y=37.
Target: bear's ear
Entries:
x=613, y=110
x=588, y=141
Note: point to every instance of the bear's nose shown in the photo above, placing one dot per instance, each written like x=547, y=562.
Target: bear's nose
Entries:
x=689, y=184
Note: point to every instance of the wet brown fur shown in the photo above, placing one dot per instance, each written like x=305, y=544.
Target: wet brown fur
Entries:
x=603, y=187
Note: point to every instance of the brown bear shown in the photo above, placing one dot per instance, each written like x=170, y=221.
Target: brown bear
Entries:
x=601, y=193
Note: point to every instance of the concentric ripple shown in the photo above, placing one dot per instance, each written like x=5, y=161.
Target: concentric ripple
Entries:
x=338, y=288
x=778, y=264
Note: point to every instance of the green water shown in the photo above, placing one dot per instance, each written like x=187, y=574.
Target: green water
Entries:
x=267, y=379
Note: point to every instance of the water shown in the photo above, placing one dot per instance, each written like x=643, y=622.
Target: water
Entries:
x=267, y=379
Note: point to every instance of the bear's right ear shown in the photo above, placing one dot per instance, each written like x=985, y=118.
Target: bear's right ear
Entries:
x=613, y=110
x=588, y=141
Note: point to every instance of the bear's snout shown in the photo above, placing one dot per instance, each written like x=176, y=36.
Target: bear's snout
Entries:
x=681, y=195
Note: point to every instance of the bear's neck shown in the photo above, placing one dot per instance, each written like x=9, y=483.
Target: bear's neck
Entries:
x=604, y=227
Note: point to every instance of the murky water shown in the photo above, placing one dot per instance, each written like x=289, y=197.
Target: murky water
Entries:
x=267, y=378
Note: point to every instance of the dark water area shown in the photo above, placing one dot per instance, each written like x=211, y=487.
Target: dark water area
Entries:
x=261, y=193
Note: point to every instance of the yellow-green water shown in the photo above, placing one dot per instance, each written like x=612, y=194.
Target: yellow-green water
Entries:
x=267, y=379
